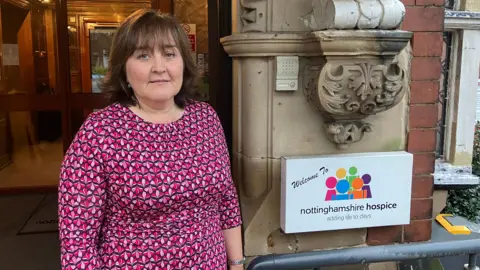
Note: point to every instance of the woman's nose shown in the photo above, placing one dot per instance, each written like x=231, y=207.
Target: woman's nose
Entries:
x=158, y=63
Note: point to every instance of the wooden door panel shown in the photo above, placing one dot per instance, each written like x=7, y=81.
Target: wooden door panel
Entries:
x=87, y=101
x=5, y=141
x=26, y=57
x=30, y=102
x=165, y=6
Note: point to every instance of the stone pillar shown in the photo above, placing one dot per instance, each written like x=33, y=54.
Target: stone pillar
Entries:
x=255, y=121
x=351, y=97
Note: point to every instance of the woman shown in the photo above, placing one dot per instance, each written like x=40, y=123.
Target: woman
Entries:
x=146, y=182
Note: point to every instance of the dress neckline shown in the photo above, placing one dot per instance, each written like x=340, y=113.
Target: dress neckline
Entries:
x=179, y=122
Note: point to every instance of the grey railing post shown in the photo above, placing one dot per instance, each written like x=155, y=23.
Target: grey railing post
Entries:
x=472, y=262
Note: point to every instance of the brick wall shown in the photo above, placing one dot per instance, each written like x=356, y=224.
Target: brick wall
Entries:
x=425, y=19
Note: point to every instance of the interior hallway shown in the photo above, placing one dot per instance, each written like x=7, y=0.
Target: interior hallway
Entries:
x=33, y=166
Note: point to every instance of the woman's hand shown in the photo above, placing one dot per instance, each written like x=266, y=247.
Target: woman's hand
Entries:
x=237, y=267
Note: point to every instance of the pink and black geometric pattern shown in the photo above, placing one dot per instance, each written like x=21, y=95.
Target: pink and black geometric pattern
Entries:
x=139, y=195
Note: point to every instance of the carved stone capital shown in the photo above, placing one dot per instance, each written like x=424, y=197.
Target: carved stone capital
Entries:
x=348, y=92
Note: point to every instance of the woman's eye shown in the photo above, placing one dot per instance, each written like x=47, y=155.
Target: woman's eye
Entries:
x=170, y=54
x=143, y=56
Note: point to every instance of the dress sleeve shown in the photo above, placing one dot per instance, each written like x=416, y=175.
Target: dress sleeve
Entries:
x=230, y=214
x=81, y=200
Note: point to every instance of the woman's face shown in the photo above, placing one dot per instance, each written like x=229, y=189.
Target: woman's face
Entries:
x=155, y=76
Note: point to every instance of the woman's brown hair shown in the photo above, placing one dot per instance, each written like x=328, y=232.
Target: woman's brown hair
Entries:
x=145, y=29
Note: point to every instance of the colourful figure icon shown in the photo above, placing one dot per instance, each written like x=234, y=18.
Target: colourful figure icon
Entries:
x=348, y=187
x=357, y=189
x=366, y=181
x=331, y=183
x=352, y=176
x=342, y=190
x=341, y=173
x=342, y=185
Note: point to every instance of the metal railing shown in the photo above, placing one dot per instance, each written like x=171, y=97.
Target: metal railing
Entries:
x=387, y=253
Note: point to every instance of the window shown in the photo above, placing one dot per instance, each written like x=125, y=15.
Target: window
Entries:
x=459, y=88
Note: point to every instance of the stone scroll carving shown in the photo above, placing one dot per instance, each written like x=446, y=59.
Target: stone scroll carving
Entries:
x=254, y=15
x=358, y=14
x=348, y=93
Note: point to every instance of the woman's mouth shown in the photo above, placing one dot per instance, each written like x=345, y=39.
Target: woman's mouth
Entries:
x=159, y=81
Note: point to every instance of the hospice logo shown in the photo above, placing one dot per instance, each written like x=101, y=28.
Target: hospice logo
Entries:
x=349, y=186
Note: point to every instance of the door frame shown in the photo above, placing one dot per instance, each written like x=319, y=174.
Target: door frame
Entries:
x=220, y=64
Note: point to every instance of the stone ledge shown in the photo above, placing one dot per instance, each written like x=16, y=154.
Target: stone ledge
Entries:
x=467, y=20
x=320, y=43
x=448, y=175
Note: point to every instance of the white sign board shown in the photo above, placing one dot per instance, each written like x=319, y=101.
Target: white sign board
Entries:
x=335, y=192
x=10, y=55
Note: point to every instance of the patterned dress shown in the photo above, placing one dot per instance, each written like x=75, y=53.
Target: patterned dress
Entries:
x=139, y=195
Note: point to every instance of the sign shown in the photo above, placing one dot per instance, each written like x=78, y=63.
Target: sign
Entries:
x=10, y=54
x=334, y=192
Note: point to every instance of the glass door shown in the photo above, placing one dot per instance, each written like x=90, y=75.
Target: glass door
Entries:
x=53, y=53
x=90, y=26
x=31, y=101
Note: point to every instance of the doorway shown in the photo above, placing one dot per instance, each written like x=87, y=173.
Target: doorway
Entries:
x=52, y=56
x=31, y=113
